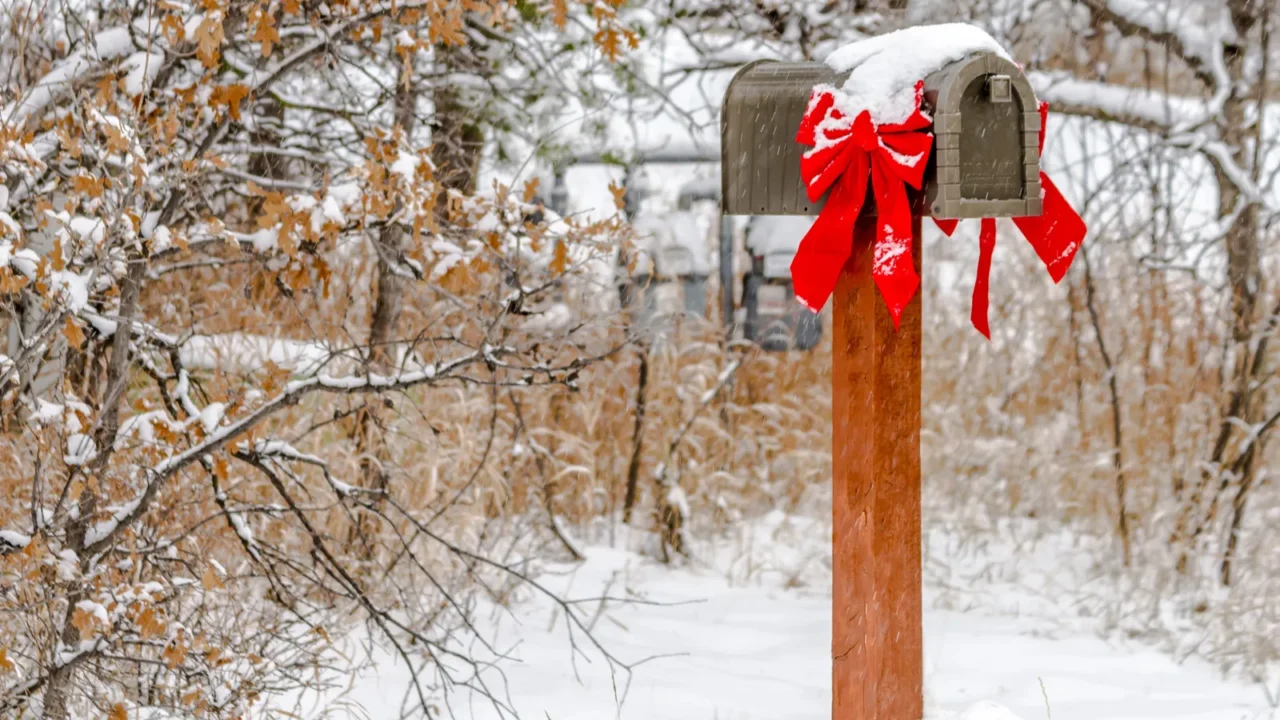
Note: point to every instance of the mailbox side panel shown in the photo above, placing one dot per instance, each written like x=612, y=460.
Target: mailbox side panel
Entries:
x=760, y=158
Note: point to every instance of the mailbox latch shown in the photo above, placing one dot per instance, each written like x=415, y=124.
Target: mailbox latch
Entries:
x=1000, y=88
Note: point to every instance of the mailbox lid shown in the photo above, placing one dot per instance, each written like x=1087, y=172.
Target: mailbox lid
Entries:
x=760, y=158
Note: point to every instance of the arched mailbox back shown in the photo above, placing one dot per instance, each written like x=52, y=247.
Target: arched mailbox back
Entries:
x=986, y=147
x=985, y=163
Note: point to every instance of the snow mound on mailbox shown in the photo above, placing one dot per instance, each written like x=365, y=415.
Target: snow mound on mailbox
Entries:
x=883, y=70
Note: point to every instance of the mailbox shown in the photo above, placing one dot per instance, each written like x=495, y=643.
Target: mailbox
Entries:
x=985, y=160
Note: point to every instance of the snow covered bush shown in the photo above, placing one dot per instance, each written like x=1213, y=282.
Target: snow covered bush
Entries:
x=258, y=322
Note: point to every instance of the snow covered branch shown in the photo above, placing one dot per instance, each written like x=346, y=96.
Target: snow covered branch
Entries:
x=1183, y=122
x=1198, y=41
x=102, y=533
x=1156, y=112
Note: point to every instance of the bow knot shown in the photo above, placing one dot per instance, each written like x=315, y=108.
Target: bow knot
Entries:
x=845, y=156
x=864, y=132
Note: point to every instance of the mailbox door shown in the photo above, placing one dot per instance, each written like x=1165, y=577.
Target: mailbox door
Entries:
x=986, y=125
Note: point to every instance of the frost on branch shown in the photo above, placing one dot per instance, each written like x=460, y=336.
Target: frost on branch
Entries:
x=202, y=208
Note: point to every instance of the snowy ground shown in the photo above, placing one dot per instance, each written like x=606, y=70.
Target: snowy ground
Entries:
x=745, y=634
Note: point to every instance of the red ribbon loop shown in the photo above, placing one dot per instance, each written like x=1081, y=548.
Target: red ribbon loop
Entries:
x=846, y=152
x=1056, y=234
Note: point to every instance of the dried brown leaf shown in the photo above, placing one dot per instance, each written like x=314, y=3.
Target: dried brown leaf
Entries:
x=560, y=259
x=531, y=189
x=73, y=333
x=231, y=96
x=210, y=579
x=209, y=37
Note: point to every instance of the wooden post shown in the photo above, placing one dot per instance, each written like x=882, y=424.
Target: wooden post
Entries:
x=876, y=636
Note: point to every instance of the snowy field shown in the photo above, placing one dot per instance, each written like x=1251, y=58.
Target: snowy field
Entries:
x=744, y=632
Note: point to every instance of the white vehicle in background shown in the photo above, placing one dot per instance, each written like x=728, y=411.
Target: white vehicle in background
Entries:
x=775, y=320
x=672, y=265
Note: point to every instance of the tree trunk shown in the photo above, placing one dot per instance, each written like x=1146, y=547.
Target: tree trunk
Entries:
x=387, y=304
x=1117, y=449
x=1245, y=280
x=57, y=694
x=456, y=137
x=637, y=435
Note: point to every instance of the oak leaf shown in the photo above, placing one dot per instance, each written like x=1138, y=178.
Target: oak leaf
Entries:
x=84, y=621
x=175, y=654
x=531, y=189
x=116, y=140
x=56, y=259
x=209, y=37
x=85, y=184
x=619, y=195
x=231, y=96
x=265, y=32
x=11, y=283
x=560, y=259
x=210, y=580
x=150, y=624
x=75, y=336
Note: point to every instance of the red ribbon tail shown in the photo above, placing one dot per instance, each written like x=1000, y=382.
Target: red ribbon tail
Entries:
x=1056, y=234
x=893, y=268
x=982, y=283
x=826, y=247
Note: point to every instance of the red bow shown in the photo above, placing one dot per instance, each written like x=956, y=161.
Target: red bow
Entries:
x=1056, y=235
x=846, y=150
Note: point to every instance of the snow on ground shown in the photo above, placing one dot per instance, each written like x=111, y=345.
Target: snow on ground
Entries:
x=744, y=634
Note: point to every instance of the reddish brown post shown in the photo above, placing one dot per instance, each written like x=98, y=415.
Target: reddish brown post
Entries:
x=877, y=663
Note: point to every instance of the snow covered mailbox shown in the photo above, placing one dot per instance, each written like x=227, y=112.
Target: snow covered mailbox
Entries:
x=986, y=130
x=933, y=120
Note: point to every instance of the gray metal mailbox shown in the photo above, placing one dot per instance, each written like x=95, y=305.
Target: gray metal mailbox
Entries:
x=985, y=161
